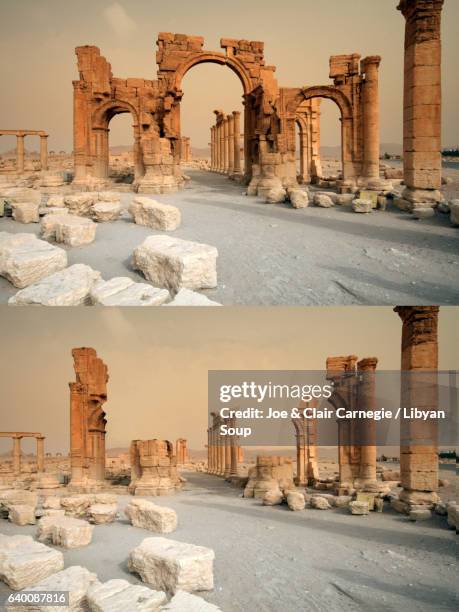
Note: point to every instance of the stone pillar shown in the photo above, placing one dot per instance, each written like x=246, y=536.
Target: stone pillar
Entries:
x=314, y=141
x=139, y=168
x=312, y=467
x=418, y=438
x=230, y=122
x=422, y=101
x=300, y=460
x=40, y=454
x=212, y=151
x=17, y=455
x=240, y=454
x=20, y=152
x=225, y=145
x=366, y=400
x=234, y=454
x=227, y=470
x=370, y=117
x=44, y=151
x=209, y=460
x=237, y=143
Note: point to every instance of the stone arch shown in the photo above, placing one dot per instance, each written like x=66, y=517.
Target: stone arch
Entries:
x=213, y=57
x=100, y=120
x=348, y=140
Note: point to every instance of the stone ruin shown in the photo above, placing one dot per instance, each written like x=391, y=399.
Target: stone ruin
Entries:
x=181, y=451
x=153, y=468
x=20, y=149
x=307, y=469
x=271, y=473
x=225, y=144
x=41, y=478
x=87, y=421
x=269, y=117
x=223, y=452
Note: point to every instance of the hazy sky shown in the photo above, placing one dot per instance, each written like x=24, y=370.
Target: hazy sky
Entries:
x=37, y=40
x=158, y=360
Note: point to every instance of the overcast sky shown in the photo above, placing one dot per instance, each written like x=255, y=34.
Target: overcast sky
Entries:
x=158, y=359
x=37, y=40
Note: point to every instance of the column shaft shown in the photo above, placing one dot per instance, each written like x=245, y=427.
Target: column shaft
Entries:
x=44, y=152
x=17, y=455
x=237, y=142
x=370, y=103
x=41, y=454
x=20, y=152
x=230, y=121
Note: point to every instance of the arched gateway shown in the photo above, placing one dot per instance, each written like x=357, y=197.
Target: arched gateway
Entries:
x=269, y=114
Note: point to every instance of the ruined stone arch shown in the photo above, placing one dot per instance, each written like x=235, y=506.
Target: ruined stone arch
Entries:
x=322, y=91
x=214, y=57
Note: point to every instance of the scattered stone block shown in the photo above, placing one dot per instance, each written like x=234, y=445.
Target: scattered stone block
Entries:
x=403, y=204
x=25, y=260
x=26, y=212
x=343, y=199
x=22, y=515
x=299, y=198
x=75, y=580
x=147, y=515
x=453, y=515
x=21, y=194
x=320, y=503
x=25, y=563
x=174, y=263
x=69, y=287
x=362, y=206
x=56, y=201
x=369, y=196
x=76, y=505
x=123, y=291
x=296, y=500
x=156, y=215
x=366, y=497
x=16, y=497
x=170, y=566
x=454, y=212
x=186, y=297
x=185, y=602
x=378, y=504
x=108, y=196
x=359, y=507
x=323, y=200
x=105, y=498
x=420, y=212
x=53, y=512
x=101, y=514
x=105, y=211
x=275, y=195
x=121, y=596
x=54, y=211
x=80, y=203
x=342, y=501
x=399, y=506
x=64, y=531
x=273, y=498
x=68, y=229
x=52, y=502
x=420, y=514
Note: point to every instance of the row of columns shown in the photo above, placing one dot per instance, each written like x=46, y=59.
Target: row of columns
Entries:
x=20, y=148
x=17, y=437
x=181, y=451
x=225, y=144
x=185, y=149
x=223, y=452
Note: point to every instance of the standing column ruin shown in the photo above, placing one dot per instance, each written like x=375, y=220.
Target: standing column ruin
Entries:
x=40, y=453
x=419, y=388
x=87, y=419
x=20, y=152
x=366, y=400
x=212, y=148
x=225, y=145
x=422, y=102
x=307, y=470
x=237, y=146
x=230, y=122
x=370, y=109
x=44, y=151
x=17, y=454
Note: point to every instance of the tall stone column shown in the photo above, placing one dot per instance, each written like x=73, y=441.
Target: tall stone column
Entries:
x=41, y=454
x=418, y=438
x=212, y=151
x=139, y=168
x=300, y=460
x=225, y=146
x=370, y=112
x=44, y=151
x=234, y=452
x=312, y=467
x=209, y=459
x=237, y=143
x=227, y=470
x=366, y=400
x=17, y=455
x=230, y=122
x=422, y=101
x=20, y=152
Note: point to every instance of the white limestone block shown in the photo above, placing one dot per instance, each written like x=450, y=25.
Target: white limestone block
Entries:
x=100, y=514
x=174, y=263
x=69, y=287
x=147, y=515
x=123, y=291
x=105, y=211
x=25, y=563
x=22, y=515
x=25, y=260
x=186, y=602
x=108, y=196
x=273, y=498
x=56, y=201
x=358, y=507
x=362, y=206
x=75, y=580
x=323, y=200
x=69, y=229
x=21, y=194
x=275, y=195
x=64, y=531
x=320, y=503
x=299, y=198
x=186, y=297
x=77, y=505
x=296, y=500
x=26, y=212
x=120, y=596
x=156, y=215
x=170, y=566
x=80, y=203
x=53, y=502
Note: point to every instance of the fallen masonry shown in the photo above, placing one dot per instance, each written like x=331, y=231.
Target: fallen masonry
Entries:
x=147, y=515
x=64, y=531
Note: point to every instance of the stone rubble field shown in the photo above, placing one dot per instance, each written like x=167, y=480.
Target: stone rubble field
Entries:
x=212, y=244
x=207, y=549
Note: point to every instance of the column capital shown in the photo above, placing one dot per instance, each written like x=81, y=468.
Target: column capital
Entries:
x=367, y=363
x=423, y=19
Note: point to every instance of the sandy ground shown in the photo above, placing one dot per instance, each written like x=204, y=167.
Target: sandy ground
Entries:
x=273, y=254
x=270, y=559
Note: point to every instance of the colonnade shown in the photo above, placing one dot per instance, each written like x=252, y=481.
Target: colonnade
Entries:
x=225, y=144
x=185, y=149
x=17, y=437
x=20, y=148
x=181, y=451
x=223, y=452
